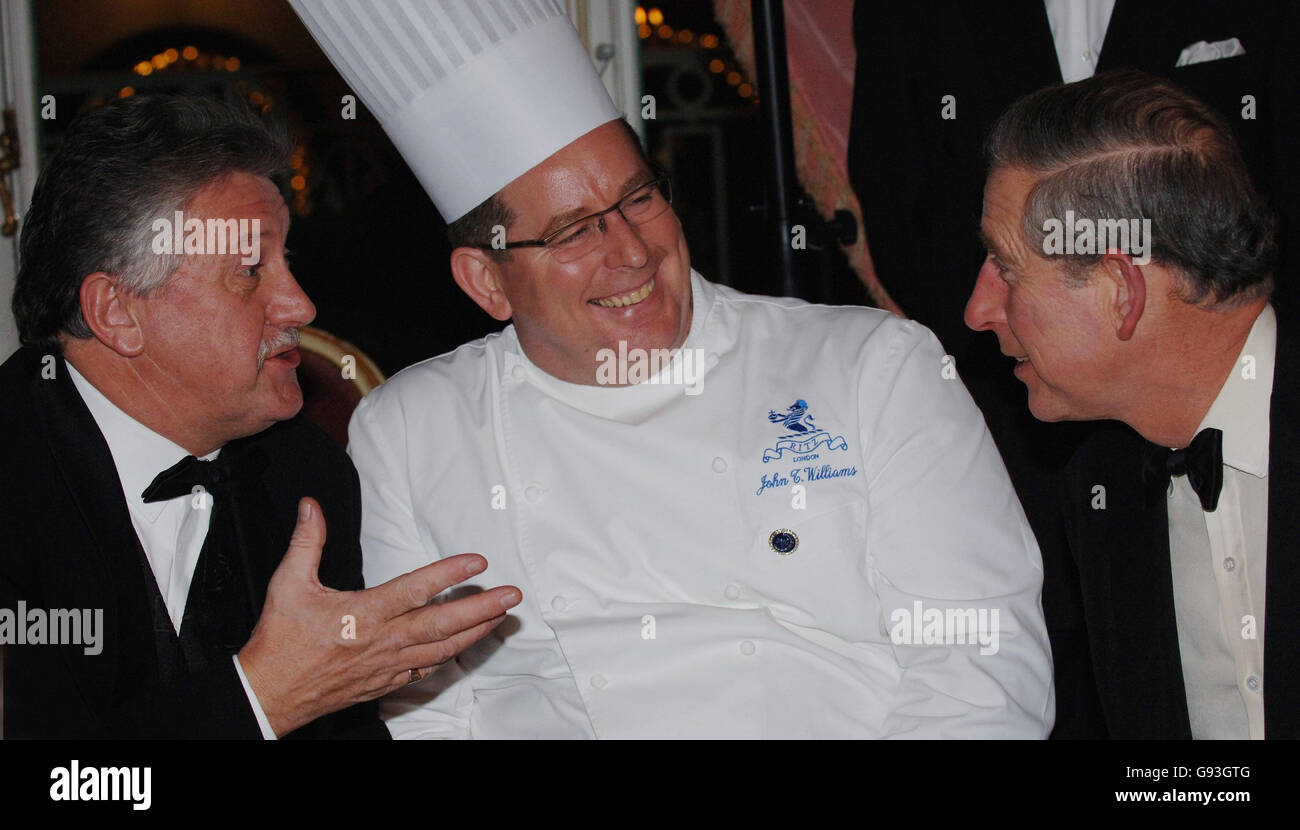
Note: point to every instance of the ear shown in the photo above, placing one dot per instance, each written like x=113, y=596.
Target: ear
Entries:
x=479, y=276
x=1128, y=298
x=109, y=312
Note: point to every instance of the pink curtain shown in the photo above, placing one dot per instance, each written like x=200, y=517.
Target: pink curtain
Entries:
x=819, y=46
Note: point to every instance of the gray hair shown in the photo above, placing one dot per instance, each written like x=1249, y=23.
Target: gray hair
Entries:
x=1131, y=146
x=119, y=168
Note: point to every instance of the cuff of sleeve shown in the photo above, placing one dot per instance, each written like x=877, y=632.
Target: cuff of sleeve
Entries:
x=262, y=722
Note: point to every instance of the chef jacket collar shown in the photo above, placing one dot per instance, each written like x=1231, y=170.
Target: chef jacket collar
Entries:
x=629, y=404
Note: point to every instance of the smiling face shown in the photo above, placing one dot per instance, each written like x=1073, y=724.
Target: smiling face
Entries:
x=634, y=287
x=218, y=341
x=1057, y=332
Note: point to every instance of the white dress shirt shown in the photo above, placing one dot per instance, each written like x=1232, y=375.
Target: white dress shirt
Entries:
x=636, y=523
x=1219, y=558
x=171, y=532
x=1078, y=31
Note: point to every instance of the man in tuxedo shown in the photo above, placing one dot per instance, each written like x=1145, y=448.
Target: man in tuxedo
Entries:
x=1186, y=557
x=915, y=164
x=158, y=488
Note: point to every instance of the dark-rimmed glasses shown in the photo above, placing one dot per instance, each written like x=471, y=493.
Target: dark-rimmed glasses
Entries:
x=581, y=237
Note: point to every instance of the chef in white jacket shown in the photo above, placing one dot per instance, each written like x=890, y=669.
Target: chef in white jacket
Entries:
x=792, y=524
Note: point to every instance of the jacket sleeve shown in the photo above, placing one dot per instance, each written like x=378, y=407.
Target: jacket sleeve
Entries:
x=949, y=548
x=43, y=701
x=439, y=706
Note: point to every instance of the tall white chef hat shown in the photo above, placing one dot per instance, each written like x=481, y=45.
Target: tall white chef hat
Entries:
x=473, y=93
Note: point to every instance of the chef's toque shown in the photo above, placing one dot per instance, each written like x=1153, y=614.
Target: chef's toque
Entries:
x=473, y=93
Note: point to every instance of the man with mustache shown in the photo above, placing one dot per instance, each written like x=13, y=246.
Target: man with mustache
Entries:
x=1180, y=512
x=154, y=469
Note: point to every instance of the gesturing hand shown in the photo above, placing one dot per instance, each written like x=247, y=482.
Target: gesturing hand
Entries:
x=301, y=665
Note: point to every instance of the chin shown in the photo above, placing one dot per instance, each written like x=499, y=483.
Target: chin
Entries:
x=290, y=408
x=288, y=403
x=1050, y=409
x=660, y=333
x=1046, y=416
x=667, y=337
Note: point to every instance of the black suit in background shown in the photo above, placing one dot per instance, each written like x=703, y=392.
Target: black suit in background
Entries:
x=68, y=543
x=920, y=180
x=1126, y=581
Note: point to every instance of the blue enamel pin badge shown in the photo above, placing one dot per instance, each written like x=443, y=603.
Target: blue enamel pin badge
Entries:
x=784, y=541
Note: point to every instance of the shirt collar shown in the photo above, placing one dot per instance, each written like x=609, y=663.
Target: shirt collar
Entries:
x=139, y=453
x=1242, y=408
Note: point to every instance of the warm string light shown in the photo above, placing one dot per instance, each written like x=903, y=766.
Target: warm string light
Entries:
x=187, y=58
x=651, y=23
x=299, y=183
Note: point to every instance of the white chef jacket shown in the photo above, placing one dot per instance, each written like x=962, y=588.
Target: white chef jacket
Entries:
x=635, y=521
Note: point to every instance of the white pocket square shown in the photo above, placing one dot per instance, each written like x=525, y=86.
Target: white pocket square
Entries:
x=1202, y=51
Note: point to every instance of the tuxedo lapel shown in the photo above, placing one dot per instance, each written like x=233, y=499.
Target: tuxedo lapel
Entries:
x=229, y=582
x=1122, y=553
x=109, y=574
x=259, y=540
x=1281, y=608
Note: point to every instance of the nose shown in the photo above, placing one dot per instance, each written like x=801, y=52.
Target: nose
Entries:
x=624, y=246
x=986, y=307
x=290, y=307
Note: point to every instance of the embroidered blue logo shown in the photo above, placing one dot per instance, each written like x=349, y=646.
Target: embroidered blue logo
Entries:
x=805, y=437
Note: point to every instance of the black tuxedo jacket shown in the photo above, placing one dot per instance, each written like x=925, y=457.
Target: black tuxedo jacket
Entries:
x=1126, y=584
x=68, y=543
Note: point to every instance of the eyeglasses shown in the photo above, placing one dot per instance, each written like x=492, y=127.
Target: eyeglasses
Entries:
x=579, y=238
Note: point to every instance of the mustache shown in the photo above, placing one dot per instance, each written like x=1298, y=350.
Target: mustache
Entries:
x=286, y=337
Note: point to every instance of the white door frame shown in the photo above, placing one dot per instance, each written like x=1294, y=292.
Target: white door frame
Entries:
x=608, y=28
x=17, y=92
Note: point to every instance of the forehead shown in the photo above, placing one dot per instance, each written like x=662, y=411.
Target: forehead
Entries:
x=586, y=173
x=1005, y=194
x=1007, y=189
x=239, y=195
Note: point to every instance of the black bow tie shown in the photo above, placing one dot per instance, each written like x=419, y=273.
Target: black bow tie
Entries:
x=181, y=478
x=1201, y=462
